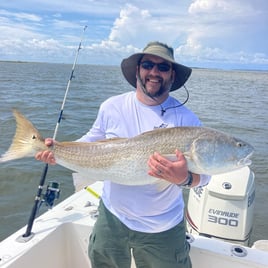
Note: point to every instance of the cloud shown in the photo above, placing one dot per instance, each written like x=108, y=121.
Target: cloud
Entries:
x=123, y=30
x=199, y=55
x=201, y=31
x=20, y=16
x=132, y=33
x=205, y=41
x=230, y=8
x=225, y=32
x=129, y=35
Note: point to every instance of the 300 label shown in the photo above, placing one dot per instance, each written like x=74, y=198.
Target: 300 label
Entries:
x=223, y=221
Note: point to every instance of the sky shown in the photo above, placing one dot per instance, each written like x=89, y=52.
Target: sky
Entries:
x=225, y=34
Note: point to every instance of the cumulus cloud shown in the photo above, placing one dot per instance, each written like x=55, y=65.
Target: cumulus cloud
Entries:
x=224, y=31
x=129, y=33
x=127, y=27
x=136, y=26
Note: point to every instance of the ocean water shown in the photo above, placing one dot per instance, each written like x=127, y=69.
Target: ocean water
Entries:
x=233, y=101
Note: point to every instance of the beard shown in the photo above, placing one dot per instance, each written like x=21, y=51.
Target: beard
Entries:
x=148, y=90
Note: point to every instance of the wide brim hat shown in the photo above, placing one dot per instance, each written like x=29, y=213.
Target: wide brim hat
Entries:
x=129, y=65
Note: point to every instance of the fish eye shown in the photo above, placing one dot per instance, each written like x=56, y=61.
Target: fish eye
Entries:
x=239, y=144
x=33, y=137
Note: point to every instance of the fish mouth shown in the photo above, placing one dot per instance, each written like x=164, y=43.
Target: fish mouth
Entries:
x=245, y=161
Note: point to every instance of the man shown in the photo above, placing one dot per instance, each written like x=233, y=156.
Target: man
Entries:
x=148, y=220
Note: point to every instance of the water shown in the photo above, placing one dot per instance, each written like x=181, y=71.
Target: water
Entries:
x=232, y=101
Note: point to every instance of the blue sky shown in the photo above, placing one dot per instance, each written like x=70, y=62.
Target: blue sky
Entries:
x=225, y=34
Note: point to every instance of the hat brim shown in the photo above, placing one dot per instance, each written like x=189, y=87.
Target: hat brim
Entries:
x=129, y=67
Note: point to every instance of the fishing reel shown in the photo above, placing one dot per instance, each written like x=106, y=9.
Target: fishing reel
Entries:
x=52, y=193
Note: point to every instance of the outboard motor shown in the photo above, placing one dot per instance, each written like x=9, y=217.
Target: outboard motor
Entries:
x=224, y=208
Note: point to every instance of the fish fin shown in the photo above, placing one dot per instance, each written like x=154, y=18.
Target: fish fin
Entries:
x=187, y=155
x=22, y=145
x=81, y=181
x=190, y=161
x=193, y=163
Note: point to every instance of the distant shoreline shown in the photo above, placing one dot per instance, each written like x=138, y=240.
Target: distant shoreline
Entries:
x=19, y=61
x=199, y=68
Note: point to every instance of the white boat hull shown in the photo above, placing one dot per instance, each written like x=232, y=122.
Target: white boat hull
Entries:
x=60, y=240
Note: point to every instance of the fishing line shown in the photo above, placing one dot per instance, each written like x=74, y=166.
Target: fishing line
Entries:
x=68, y=85
x=28, y=234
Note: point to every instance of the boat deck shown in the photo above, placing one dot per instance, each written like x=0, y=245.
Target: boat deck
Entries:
x=60, y=240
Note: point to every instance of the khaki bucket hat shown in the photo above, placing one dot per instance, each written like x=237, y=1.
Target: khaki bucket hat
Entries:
x=129, y=65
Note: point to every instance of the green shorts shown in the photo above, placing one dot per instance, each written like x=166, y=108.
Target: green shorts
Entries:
x=112, y=244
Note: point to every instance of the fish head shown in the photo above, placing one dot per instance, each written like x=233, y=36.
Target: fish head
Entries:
x=218, y=152
x=245, y=151
x=239, y=152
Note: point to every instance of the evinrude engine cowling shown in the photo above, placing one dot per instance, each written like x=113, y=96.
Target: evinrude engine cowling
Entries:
x=223, y=209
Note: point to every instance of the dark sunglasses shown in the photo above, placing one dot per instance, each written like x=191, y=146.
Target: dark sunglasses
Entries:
x=149, y=65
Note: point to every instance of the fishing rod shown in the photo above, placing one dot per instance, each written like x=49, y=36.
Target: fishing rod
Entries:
x=28, y=234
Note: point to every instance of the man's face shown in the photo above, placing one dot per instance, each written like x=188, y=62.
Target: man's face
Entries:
x=156, y=79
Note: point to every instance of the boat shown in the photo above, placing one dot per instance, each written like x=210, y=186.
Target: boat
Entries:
x=60, y=236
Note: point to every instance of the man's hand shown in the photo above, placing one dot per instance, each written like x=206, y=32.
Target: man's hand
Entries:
x=172, y=171
x=46, y=156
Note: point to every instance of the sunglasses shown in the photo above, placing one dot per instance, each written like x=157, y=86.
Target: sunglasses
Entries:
x=149, y=65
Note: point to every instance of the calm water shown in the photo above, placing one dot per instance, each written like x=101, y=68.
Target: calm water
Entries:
x=232, y=101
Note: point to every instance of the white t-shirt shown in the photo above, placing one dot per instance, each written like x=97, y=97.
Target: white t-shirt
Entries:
x=149, y=208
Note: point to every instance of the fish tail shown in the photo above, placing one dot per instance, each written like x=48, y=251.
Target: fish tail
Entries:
x=26, y=140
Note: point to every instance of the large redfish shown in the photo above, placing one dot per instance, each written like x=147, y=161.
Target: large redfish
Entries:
x=124, y=160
